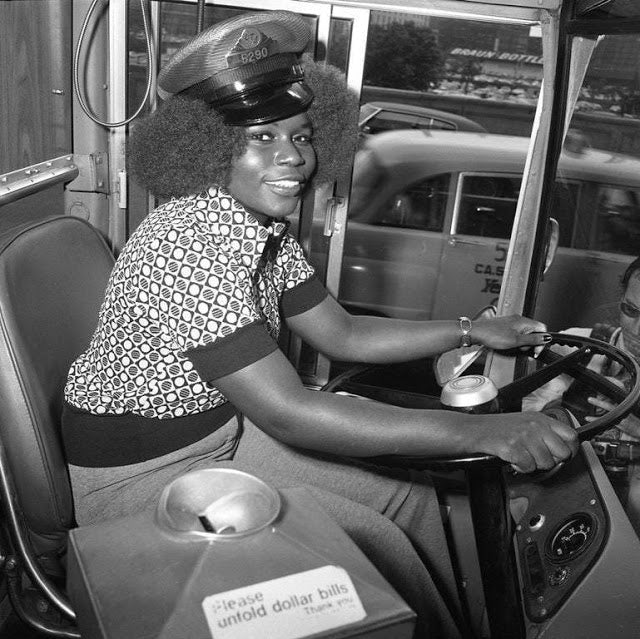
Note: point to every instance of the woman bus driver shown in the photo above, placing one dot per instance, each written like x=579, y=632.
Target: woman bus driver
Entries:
x=191, y=316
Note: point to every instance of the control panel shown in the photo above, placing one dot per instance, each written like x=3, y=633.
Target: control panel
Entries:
x=558, y=537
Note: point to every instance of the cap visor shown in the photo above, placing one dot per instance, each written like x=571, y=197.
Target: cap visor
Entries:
x=279, y=105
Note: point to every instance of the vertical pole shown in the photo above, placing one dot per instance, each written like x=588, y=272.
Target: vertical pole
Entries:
x=493, y=532
x=118, y=61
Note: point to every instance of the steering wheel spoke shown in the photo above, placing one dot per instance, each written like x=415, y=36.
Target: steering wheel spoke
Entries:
x=555, y=365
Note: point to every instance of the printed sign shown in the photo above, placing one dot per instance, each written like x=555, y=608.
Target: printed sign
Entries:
x=497, y=55
x=289, y=607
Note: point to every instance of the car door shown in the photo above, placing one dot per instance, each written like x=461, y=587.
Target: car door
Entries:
x=392, y=257
x=475, y=248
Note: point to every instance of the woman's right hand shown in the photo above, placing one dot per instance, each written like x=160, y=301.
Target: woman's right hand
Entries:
x=528, y=441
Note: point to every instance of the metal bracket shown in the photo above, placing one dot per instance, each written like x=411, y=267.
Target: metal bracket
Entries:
x=94, y=173
x=329, y=219
x=18, y=184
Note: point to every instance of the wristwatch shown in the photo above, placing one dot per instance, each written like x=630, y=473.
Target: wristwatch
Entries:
x=465, y=331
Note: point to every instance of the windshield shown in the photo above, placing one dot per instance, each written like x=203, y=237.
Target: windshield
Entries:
x=434, y=191
x=601, y=227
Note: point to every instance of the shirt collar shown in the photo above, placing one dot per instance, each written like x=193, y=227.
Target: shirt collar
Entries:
x=229, y=219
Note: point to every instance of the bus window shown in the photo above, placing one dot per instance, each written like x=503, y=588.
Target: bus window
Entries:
x=399, y=259
x=488, y=205
x=603, y=138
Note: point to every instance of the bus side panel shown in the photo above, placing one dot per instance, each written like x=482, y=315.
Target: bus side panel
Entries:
x=35, y=82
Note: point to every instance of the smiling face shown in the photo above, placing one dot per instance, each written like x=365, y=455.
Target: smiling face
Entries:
x=268, y=179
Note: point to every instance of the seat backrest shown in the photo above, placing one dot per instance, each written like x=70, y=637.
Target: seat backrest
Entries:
x=52, y=281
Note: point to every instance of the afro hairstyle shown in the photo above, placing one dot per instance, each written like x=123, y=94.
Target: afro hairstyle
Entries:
x=184, y=146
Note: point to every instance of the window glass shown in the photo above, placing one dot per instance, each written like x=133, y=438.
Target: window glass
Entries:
x=390, y=120
x=339, y=43
x=601, y=154
x=611, y=9
x=434, y=123
x=488, y=205
x=398, y=258
x=617, y=224
x=419, y=206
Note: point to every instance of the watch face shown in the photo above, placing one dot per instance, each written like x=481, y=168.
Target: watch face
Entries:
x=465, y=329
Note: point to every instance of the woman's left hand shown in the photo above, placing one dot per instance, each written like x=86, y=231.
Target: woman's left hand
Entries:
x=511, y=331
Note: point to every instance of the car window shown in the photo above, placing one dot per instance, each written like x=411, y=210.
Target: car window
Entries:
x=617, y=228
x=393, y=120
x=487, y=205
x=435, y=123
x=390, y=121
x=421, y=205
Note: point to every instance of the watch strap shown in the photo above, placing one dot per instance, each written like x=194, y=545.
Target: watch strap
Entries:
x=465, y=330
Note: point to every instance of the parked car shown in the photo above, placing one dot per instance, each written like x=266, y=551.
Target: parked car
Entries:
x=376, y=117
x=431, y=215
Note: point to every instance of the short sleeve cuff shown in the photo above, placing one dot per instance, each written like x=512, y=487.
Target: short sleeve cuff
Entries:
x=232, y=353
x=303, y=297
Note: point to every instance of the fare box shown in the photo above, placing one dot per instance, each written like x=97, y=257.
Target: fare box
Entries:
x=300, y=577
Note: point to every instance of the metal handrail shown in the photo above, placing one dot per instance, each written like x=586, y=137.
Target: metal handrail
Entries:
x=17, y=184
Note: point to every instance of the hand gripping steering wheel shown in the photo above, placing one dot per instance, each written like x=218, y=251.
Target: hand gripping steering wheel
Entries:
x=509, y=396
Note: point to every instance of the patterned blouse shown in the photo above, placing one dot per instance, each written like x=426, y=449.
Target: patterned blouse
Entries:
x=191, y=299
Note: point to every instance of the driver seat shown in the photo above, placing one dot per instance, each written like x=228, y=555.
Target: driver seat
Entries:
x=53, y=275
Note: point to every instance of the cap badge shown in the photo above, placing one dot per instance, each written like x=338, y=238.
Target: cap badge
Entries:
x=251, y=46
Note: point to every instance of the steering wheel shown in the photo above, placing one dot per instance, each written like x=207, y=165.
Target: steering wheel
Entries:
x=510, y=396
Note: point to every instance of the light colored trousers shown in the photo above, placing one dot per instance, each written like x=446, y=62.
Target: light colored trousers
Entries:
x=393, y=516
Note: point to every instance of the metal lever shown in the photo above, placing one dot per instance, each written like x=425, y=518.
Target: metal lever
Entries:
x=332, y=204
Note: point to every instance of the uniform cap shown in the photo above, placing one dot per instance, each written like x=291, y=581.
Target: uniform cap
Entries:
x=247, y=68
